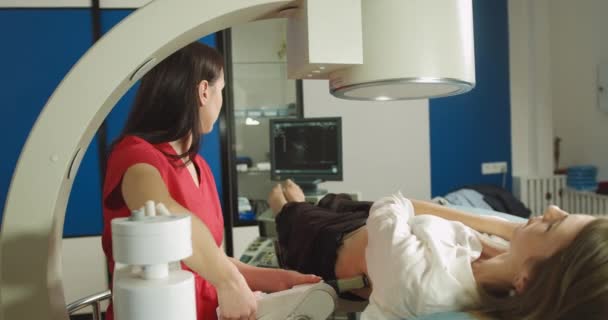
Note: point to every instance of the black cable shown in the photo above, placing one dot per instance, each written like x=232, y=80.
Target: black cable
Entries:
x=227, y=134
x=96, y=20
x=102, y=132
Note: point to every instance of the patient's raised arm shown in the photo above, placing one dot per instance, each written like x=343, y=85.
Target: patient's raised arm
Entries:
x=486, y=224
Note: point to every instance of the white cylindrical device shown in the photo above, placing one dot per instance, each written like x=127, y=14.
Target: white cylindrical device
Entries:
x=138, y=298
x=412, y=49
x=151, y=240
x=146, y=288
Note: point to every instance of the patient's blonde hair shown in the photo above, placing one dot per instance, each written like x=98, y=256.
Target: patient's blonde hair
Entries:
x=572, y=284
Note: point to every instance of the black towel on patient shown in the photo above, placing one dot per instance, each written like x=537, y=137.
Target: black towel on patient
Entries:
x=310, y=235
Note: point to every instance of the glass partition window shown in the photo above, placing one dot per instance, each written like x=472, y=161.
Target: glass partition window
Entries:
x=261, y=91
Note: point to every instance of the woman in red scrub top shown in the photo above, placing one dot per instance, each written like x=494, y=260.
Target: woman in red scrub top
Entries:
x=156, y=158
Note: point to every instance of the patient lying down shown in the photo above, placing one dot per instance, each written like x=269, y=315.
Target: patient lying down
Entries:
x=423, y=258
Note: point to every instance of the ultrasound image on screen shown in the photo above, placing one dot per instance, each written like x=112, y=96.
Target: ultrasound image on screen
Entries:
x=306, y=147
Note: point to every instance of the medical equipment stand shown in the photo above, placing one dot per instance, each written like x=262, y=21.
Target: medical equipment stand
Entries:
x=150, y=285
x=147, y=288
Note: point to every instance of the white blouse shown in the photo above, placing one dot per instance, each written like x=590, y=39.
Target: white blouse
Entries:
x=418, y=264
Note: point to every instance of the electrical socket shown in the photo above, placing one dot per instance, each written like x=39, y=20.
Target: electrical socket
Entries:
x=494, y=167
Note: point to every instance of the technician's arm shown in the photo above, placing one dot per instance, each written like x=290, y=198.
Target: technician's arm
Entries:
x=271, y=279
x=254, y=276
x=486, y=224
x=142, y=182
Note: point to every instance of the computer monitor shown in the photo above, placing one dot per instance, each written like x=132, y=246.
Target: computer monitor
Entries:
x=308, y=151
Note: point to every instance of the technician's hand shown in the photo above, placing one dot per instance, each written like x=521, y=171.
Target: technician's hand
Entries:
x=280, y=279
x=236, y=301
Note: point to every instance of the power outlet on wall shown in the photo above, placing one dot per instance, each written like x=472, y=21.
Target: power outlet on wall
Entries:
x=493, y=167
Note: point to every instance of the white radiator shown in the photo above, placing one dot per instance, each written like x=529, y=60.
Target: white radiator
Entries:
x=584, y=202
x=539, y=192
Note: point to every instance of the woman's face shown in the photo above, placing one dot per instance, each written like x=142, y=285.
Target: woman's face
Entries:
x=545, y=235
x=211, y=102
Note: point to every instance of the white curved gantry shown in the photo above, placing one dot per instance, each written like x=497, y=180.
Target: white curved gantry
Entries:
x=30, y=241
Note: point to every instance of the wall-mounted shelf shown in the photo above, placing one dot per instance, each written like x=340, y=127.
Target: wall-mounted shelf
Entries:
x=284, y=63
x=289, y=110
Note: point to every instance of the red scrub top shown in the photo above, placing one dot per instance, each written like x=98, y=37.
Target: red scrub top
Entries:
x=202, y=200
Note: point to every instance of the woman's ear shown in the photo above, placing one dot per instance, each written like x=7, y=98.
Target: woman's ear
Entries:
x=203, y=92
x=521, y=283
x=522, y=279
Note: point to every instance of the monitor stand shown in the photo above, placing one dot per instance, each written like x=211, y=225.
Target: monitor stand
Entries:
x=311, y=187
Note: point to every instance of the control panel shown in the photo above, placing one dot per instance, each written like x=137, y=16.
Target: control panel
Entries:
x=261, y=253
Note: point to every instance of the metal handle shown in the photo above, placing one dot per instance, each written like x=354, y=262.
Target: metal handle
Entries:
x=92, y=300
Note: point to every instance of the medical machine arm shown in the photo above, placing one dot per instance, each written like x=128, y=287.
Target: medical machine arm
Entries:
x=30, y=243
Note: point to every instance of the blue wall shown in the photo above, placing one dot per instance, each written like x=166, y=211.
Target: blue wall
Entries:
x=40, y=48
x=469, y=129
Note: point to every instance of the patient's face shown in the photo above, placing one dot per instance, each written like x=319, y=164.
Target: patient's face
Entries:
x=545, y=235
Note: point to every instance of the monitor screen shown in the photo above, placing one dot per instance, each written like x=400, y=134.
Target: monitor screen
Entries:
x=306, y=150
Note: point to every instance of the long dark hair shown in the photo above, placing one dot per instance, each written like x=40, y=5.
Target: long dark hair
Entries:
x=166, y=106
x=572, y=284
